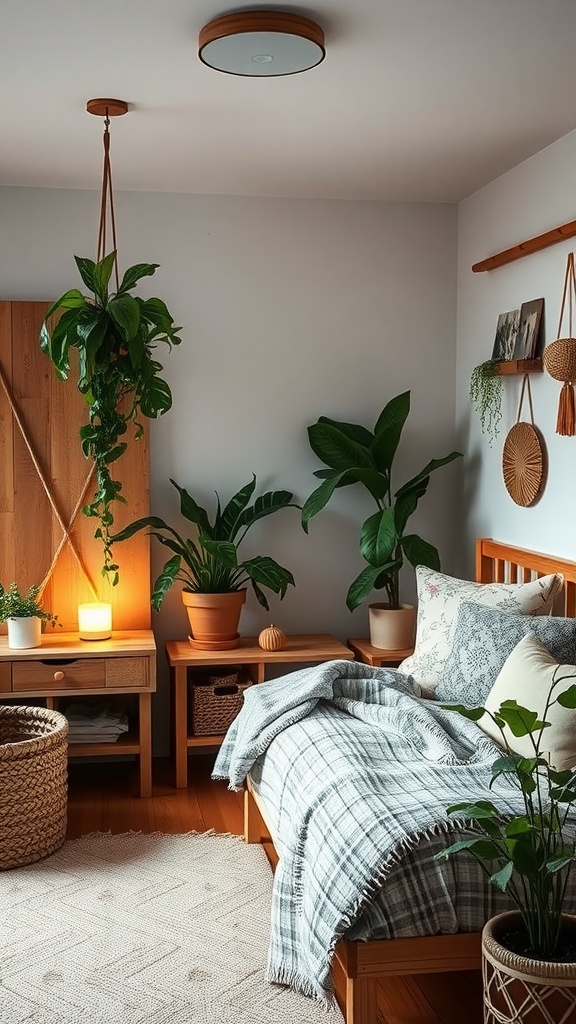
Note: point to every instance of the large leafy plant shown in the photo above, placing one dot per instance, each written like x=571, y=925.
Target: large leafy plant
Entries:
x=14, y=605
x=528, y=856
x=115, y=335
x=356, y=455
x=209, y=563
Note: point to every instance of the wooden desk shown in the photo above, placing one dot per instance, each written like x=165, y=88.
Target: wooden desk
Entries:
x=182, y=657
x=64, y=666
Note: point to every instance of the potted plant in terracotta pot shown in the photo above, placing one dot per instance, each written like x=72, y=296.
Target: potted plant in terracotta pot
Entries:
x=529, y=954
x=209, y=566
x=356, y=455
x=24, y=615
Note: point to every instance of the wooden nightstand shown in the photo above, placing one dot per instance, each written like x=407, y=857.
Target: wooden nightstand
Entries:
x=377, y=656
x=64, y=666
x=182, y=657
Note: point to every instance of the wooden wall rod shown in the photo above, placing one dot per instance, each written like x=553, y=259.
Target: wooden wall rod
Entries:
x=526, y=248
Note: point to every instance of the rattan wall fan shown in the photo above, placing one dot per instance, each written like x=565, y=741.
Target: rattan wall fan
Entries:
x=523, y=456
x=560, y=356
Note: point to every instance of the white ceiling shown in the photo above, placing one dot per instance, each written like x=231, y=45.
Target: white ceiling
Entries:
x=416, y=99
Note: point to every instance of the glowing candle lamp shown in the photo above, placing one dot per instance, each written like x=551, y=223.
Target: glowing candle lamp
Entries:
x=94, y=621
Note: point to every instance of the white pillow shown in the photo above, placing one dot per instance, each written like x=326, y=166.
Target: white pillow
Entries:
x=439, y=598
x=526, y=677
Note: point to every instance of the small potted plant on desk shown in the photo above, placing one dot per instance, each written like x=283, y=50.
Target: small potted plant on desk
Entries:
x=528, y=954
x=354, y=454
x=208, y=565
x=24, y=616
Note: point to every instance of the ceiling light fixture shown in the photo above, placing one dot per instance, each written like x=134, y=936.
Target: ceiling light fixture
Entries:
x=259, y=44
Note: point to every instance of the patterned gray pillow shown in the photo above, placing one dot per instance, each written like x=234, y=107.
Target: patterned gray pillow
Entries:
x=483, y=639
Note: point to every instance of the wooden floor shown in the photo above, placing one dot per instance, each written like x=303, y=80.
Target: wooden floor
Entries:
x=102, y=798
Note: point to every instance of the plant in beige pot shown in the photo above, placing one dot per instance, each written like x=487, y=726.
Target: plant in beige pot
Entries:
x=356, y=455
x=529, y=954
x=209, y=566
x=23, y=615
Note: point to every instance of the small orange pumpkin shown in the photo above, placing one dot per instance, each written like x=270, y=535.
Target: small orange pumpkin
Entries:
x=272, y=639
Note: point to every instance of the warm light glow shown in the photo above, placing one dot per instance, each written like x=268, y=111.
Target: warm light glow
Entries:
x=94, y=621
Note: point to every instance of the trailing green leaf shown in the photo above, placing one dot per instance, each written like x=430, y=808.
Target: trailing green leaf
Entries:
x=114, y=335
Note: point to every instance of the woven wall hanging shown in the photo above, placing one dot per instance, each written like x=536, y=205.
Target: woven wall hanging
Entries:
x=560, y=356
x=523, y=457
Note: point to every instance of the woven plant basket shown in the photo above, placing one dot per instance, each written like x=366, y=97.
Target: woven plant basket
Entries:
x=33, y=784
x=519, y=990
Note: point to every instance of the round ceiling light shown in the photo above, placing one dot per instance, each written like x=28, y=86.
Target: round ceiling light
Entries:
x=261, y=44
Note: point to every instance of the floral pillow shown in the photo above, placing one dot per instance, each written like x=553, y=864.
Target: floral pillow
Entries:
x=483, y=639
x=440, y=597
x=527, y=677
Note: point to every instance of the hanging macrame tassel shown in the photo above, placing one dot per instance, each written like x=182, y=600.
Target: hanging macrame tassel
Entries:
x=566, y=422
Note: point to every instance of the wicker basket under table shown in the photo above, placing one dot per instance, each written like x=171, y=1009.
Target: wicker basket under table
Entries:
x=214, y=702
x=33, y=783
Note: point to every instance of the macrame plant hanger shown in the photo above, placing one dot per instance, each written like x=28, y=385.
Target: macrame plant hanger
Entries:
x=107, y=108
x=523, y=456
x=560, y=356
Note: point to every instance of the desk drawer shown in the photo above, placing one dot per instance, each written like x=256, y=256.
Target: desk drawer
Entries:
x=132, y=672
x=5, y=677
x=42, y=676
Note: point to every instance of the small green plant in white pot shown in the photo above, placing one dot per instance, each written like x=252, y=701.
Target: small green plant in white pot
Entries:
x=24, y=615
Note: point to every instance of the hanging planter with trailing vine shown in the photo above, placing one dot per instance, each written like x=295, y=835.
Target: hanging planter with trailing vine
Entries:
x=486, y=390
x=116, y=335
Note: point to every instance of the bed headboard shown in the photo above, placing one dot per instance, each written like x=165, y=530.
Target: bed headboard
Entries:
x=501, y=563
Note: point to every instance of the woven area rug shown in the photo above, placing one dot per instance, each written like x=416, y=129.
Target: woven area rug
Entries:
x=158, y=929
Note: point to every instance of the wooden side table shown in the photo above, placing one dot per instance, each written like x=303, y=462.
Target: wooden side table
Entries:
x=377, y=656
x=64, y=666
x=300, y=648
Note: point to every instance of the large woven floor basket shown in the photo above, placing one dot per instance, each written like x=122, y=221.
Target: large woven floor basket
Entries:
x=33, y=784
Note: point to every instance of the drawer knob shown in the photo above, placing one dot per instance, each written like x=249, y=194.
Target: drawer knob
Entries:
x=58, y=676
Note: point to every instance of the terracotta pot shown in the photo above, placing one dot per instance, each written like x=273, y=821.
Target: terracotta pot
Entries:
x=214, y=619
x=24, y=632
x=392, y=629
x=517, y=988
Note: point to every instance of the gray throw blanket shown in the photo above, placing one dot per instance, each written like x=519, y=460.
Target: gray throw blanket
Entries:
x=370, y=769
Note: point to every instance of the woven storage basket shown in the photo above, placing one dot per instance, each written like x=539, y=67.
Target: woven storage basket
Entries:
x=33, y=783
x=214, y=703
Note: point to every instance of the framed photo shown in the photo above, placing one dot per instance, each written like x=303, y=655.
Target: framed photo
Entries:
x=529, y=330
x=506, y=335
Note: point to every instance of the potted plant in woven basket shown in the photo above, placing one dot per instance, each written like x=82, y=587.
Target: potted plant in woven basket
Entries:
x=354, y=454
x=24, y=616
x=529, y=954
x=33, y=783
x=209, y=566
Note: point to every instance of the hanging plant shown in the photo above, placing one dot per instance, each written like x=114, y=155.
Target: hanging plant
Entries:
x=115, y=335
x=486, y=390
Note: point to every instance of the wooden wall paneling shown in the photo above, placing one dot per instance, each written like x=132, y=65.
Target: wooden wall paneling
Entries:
x=30, y=534
x=6, y=452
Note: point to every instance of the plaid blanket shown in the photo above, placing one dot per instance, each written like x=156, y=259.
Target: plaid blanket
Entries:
x=352, y=802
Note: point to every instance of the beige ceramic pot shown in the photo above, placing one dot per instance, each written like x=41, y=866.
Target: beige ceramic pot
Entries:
x=392, y=629
x=24, y=632
x=214, y=619
x=519, y=989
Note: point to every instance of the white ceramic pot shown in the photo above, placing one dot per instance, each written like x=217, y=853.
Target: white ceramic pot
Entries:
x=392, y=629
x=24, y=632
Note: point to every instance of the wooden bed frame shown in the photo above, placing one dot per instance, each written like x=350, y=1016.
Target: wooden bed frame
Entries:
x=363, y=970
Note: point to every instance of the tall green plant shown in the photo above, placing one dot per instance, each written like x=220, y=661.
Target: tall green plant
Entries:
x=354, y=454
x=208, y=563
x=115, y=335
x=529, y=856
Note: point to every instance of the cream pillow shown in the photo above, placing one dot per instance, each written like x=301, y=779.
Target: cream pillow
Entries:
x=439, y=598
x=526, y=677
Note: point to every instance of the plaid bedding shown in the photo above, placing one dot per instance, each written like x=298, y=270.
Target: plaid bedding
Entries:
x=358, y=773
